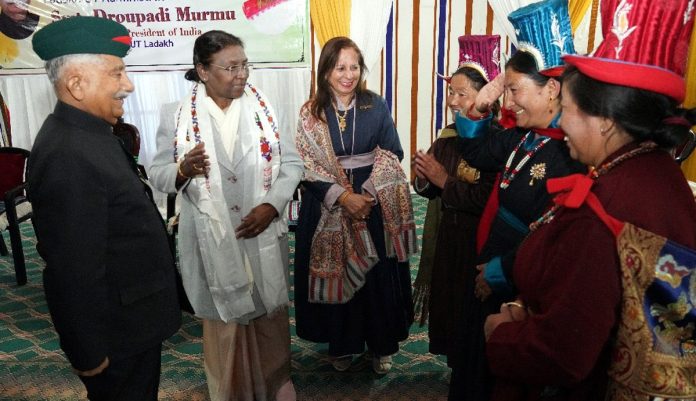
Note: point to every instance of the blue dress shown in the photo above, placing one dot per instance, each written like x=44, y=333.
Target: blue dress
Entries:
x=380, y=313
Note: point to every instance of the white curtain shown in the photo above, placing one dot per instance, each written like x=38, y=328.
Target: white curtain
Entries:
x=368, y=28
x=30, y=99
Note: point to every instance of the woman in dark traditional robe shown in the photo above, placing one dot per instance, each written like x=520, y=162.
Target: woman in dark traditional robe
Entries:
x=443, y=176
x=373, y=309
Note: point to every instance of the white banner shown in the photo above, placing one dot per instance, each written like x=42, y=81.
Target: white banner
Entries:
x=275, y=32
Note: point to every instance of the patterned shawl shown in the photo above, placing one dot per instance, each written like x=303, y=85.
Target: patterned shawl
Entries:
x=342, y=250
x=394, y=196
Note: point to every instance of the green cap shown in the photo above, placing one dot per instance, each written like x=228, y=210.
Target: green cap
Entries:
x=81, y=35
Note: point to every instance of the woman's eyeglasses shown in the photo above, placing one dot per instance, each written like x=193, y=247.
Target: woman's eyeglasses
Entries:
x=235, y=69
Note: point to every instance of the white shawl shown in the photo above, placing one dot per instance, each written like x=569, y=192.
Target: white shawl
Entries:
x=228, y=272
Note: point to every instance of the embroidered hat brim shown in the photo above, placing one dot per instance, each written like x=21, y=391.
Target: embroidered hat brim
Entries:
x=81, y=35
x=633, y=75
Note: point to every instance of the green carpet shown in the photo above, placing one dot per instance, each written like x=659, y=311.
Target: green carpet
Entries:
x=32, y=366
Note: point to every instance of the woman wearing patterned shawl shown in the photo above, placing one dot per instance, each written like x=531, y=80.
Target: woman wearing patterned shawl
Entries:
x=221, y=150
x=356, y=229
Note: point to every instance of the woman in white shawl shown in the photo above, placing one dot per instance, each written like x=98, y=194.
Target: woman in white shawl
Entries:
x=220, y=148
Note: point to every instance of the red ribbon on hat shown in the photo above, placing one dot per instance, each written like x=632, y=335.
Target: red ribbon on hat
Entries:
x=126, y=40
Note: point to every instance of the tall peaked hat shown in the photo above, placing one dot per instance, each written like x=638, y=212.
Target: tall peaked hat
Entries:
x=543, y=29
x=645, y=46
x=481, y=52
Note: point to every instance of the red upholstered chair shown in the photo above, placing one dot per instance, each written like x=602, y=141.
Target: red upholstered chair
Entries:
x=683, y=150
x=130, y=135
x=14, y=207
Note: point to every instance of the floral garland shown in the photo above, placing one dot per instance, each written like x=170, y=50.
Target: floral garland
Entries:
x=265, y=145
x=196, y=129
x=194, y=119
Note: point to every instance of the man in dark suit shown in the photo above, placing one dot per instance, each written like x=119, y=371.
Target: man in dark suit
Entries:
x=109, y=277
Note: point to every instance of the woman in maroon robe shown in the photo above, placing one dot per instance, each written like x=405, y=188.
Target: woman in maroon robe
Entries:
x=554, y=342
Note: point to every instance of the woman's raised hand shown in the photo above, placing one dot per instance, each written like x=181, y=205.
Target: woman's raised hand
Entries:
x=431, y=169
x=195, y=162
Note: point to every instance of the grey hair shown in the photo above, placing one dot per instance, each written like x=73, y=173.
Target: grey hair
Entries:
x=55, y=66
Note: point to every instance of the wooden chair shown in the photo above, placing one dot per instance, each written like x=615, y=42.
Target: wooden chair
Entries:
x=14, y=206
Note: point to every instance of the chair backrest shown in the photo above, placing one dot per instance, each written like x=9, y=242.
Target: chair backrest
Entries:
x=5, y=128
x=13, y=162
x=130, y=136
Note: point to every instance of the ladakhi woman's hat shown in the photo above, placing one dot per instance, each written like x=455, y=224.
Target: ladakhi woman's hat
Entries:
x=482, y=53
x=645, y=46
x=543, y=30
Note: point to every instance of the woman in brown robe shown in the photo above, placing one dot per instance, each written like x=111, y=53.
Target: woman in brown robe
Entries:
x=443, y=176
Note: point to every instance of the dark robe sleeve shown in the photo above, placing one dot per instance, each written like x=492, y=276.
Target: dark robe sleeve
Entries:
x=561, y=341
x=317, y=189
x=424, y=187
x=491, y=152
x=466, y=196
x=388, y=137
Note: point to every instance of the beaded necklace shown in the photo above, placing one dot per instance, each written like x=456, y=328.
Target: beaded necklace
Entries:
x=644, y=147
x=510, y=174
x=352, y=145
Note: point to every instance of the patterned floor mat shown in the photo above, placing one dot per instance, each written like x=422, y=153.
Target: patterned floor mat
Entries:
x=33, y=368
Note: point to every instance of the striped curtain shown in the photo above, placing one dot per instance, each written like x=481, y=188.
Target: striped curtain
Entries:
x=330, y=18
x=368, y=28
x=689, y=166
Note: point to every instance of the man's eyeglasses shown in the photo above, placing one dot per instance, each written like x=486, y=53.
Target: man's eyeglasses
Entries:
x=235, y=69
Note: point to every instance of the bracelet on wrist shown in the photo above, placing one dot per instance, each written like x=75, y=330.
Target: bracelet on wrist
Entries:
x=343, y=197
x=474, y=117
x=516, y=304
x=181, y=173
x=418, y=187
